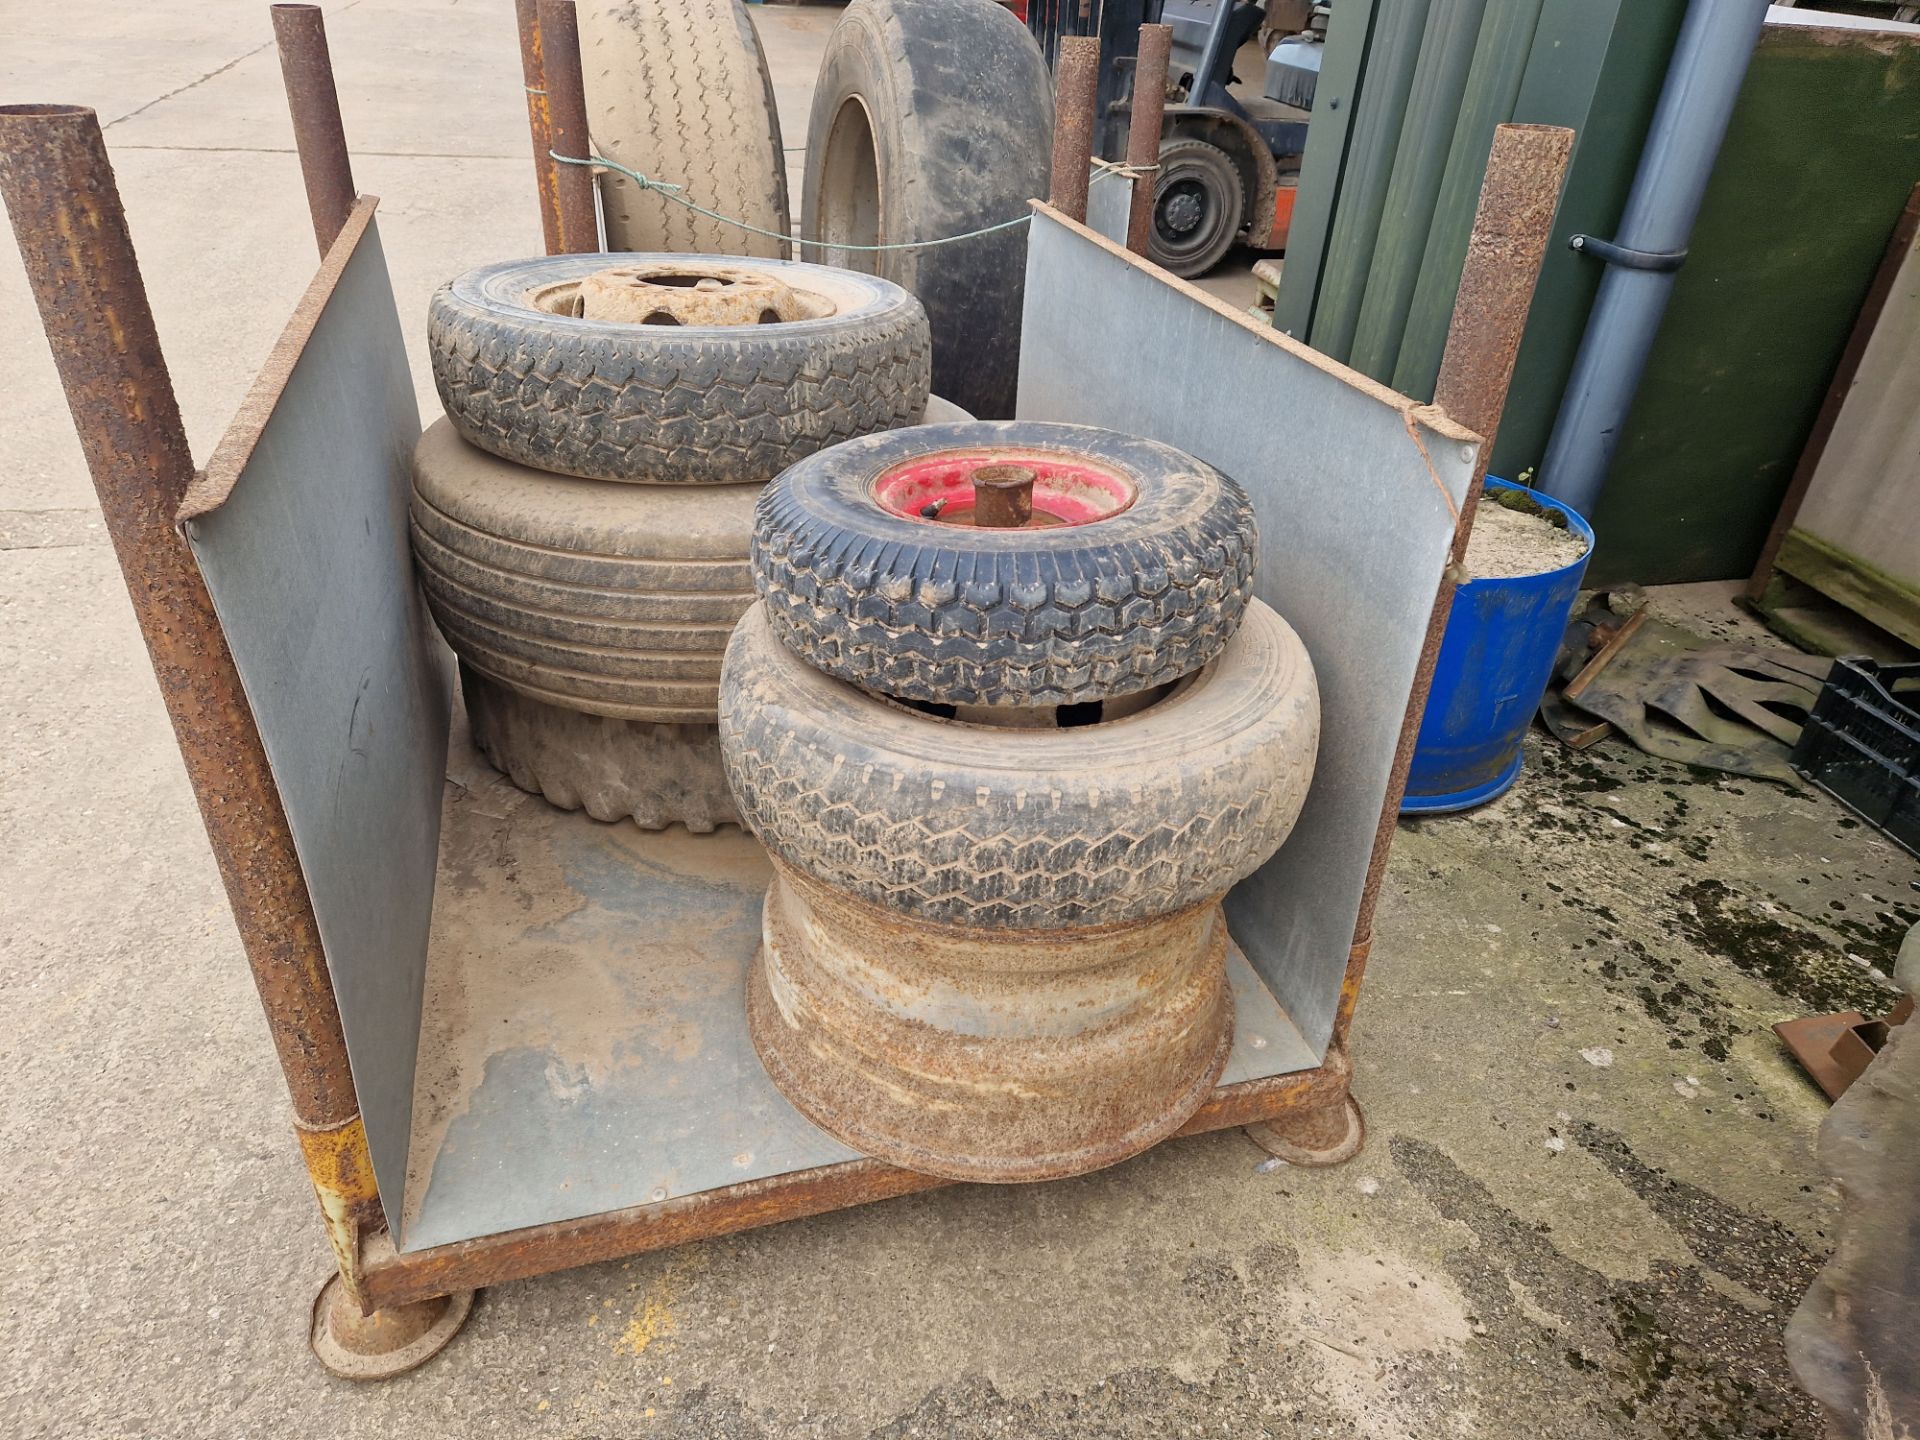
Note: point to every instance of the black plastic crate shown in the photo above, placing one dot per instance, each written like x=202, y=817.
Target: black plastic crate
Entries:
x=1862, y=744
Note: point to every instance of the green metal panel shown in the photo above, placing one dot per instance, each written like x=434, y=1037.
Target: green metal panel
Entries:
x=1397, y=30
x=1597, y=66
x=1336, y=97
x=1823, y=150
x=1492, y=87
x=1426, y=134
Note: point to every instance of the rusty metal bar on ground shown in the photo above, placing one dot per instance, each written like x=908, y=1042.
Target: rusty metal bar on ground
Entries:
x=578, y=230
x=1525, y=171
x=1077, y=81
x=307, y=70
x=72, y=232
x=533, y=71
x=1143, y=128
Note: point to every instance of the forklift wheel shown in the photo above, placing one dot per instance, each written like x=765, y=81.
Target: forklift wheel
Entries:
x=1197, y=205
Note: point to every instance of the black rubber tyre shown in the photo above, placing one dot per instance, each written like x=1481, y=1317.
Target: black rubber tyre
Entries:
x=1199, y=199
x=957, y=615
x=615, y=600
x=672, y=404
x=1023, y=829
x=679, y=90
x=934, y=118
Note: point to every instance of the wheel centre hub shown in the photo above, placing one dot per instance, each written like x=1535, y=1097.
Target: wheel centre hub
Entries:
x=1183, y=210
x=678, y=294
x=1003, y=490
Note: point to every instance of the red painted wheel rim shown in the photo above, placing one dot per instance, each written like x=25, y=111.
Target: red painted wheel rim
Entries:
x=1067, y=490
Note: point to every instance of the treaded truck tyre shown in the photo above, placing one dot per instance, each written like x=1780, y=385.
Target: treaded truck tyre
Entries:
x=934, y=118
x=997, y=828
x=612, y=599
x=679, y=91
x=524, y=376
x=1143, y=579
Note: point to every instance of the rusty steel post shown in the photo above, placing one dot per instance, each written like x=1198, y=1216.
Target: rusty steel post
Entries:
x=1511, y=228
x=72, y=232
x=1077, y=80
x=578, y=230
x=533, y=71
x=307, y=70
x=1143, y=129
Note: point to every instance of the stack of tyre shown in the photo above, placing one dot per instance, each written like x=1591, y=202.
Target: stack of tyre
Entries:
x=1009, y=722
x=583, y=513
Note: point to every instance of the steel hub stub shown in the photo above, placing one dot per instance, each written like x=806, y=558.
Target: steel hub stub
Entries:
x=945, y=489
x=388, y=1342
x=987, y=1055
x=665, y=293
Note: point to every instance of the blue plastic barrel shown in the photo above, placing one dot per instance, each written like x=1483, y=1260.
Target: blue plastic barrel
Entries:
x=1495, y=661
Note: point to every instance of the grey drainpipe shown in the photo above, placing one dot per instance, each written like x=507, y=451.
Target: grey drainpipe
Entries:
x=1703, y=81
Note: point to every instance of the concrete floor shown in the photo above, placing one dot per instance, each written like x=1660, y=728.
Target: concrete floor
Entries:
x=1589, y=1201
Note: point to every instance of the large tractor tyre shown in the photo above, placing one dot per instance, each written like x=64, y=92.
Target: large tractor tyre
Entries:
x=615, y=600
x=1199, y=200
x=678, y=90
x=934, y=118
x=673, y=369
x=1138, y=565
x=998, y=828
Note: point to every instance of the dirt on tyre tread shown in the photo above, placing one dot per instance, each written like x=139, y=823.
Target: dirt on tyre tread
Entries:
x=672, y=405
x=981, y=826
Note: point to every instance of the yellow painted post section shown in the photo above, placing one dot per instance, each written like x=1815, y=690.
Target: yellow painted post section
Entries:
x=341, y=1169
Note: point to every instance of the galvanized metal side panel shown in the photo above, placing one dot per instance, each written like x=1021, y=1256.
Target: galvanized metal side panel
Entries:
x=305, y=554
x=1356, y=491
x=1110, y=204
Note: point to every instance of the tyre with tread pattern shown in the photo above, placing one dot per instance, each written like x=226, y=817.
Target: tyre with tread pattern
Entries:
x=524, y=376
x=679, y=90
x=1199, y=198
x=1034, y=830
x=1143, y=583
x=932, y=119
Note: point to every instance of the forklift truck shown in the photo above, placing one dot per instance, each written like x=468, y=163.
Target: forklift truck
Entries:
x=1229, y=163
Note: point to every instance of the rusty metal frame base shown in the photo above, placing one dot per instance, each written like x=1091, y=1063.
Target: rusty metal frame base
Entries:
x=391, y=1278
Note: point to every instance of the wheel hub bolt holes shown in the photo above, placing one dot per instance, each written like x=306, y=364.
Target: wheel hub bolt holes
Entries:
x=677, y=294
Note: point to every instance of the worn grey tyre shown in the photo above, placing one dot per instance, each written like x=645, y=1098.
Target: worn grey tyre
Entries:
x=1116, y=602
x=653, y=774
x=678, y=90
x=523, y=377
x=615, y=600
x=990, y=827
x=931, y=119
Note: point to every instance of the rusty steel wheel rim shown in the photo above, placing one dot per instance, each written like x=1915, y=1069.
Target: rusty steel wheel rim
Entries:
x=1007, y=1056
